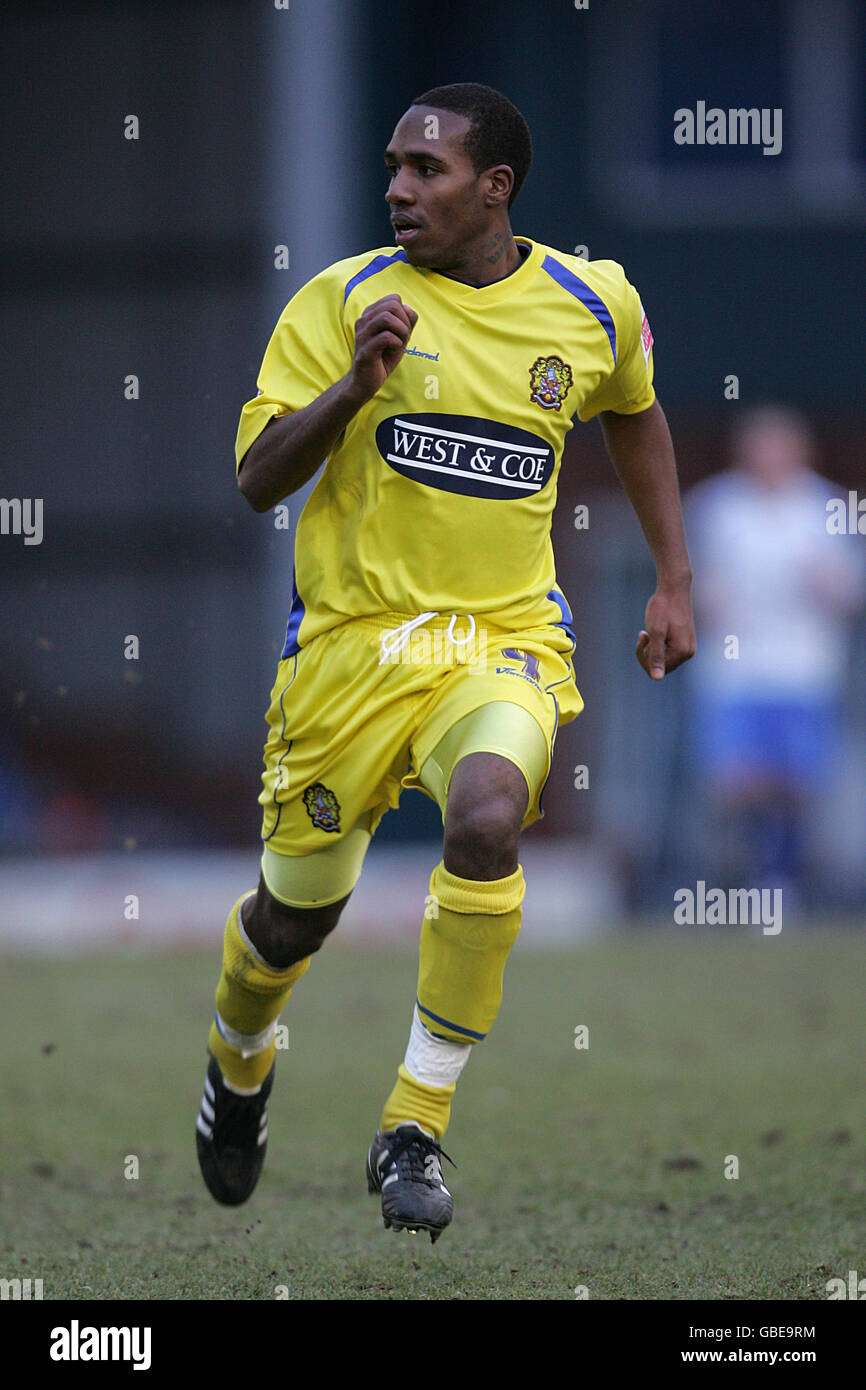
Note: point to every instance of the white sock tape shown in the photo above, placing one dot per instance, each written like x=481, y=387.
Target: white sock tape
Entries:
x=434, y=1061
x=247, y=1044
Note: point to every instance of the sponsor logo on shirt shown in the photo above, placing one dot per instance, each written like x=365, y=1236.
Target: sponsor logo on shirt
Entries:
x=465, y=454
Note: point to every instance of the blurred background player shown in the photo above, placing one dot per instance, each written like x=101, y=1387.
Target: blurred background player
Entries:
x=431, y=520
x=775, y=594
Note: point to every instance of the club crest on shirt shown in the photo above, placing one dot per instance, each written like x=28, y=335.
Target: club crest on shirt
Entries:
x=551, y=380
x=323, y=808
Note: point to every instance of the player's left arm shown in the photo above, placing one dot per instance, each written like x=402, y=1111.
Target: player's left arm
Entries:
x=641, y=450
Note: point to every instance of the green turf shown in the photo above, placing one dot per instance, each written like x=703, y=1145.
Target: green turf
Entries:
x=601, y=1168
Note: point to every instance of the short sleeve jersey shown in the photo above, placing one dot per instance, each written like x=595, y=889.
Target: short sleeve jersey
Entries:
x=438, y=496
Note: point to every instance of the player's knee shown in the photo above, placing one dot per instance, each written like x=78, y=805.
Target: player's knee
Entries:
x=481, y=838
x=283, y=934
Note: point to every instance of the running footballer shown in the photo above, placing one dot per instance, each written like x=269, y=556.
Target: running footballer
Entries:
x=428, y=644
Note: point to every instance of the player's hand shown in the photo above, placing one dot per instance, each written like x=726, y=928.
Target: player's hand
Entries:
x=669, y=636
x=381, y=335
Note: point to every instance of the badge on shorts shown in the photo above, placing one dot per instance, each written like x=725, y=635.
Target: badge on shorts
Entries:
x=529, y=662
x=323, y=808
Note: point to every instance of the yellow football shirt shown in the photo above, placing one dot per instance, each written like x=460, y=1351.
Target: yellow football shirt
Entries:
x=438, y=497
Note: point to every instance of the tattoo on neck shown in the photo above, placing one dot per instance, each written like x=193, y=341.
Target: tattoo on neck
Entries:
x=495, y=248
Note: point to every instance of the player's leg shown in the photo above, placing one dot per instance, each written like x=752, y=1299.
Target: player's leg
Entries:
x=327, y=781
x=270, y=938
x=476, y=892
x=338, y=733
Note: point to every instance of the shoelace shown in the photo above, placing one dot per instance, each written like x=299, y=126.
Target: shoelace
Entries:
x=395, y=639
x=417, y=1148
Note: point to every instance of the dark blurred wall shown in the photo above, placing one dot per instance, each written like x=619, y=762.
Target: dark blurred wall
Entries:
x=139, y=257
x=155, y=257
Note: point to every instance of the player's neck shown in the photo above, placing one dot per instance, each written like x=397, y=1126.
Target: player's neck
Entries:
x=501, y=257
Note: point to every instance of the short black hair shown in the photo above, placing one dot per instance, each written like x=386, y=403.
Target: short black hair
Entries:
x=497, y=134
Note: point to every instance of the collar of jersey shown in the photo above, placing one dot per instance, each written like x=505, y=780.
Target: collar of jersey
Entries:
x=495, y=293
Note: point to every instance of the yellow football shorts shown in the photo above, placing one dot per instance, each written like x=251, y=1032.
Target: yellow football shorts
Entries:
x=356, y=714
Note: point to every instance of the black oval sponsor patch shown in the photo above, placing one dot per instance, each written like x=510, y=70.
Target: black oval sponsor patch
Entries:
x=460, y=453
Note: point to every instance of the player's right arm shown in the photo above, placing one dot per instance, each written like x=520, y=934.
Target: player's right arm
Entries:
x=291, y=447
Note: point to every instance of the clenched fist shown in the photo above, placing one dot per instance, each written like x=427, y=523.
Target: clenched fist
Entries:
x=381, y=335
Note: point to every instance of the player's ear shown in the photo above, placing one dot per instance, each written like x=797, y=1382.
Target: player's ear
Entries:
x=500, y=181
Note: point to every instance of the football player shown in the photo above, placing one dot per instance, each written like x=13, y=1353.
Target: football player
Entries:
x=428, y=644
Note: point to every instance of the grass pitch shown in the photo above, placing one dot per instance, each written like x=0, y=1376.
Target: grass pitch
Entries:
x=599, y=1169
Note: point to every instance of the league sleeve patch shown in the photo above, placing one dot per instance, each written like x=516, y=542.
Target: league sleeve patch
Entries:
x=646, y=336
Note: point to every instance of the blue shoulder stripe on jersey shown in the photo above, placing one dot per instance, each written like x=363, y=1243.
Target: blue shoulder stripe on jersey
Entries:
x=372, y=268
x=567, y=616
x=571, y=282
x=297, y=614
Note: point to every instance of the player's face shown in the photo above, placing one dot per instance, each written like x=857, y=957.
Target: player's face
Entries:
x=435, y=197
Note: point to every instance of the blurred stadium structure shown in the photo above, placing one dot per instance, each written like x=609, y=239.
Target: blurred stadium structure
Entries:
x=154, y=257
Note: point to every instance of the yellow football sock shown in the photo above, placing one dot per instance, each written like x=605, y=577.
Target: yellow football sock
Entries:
x=249, y=998
x=464, y=947
x=428, y=1106
x=465, y=943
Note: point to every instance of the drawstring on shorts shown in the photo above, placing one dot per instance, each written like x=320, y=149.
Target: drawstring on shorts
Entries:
x=395, y=639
